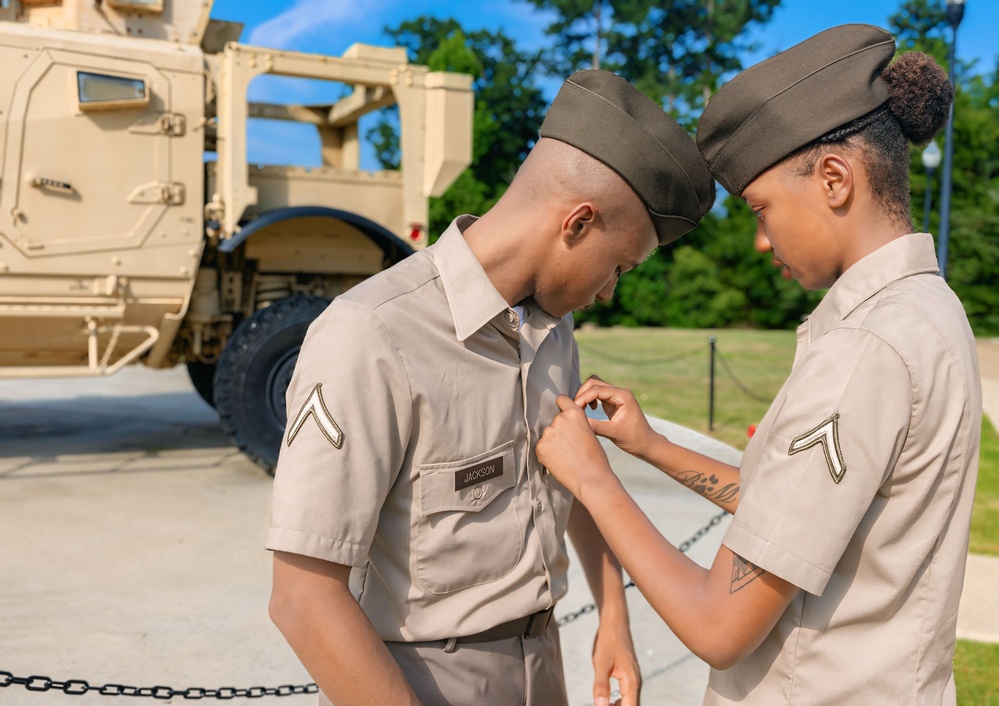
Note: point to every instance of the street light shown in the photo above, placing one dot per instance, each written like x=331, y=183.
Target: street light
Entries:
x=931, y=160
x=955, y=12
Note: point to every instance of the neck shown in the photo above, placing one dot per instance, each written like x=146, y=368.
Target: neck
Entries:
x=506, y=242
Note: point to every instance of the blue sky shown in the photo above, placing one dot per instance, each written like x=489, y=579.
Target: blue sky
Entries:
x=330, y=26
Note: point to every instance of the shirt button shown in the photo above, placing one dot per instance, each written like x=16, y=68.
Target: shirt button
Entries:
x=477, y=493
x=511, y=318
x=539, y=506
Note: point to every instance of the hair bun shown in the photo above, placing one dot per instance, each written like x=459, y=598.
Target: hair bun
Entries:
x=919, y=95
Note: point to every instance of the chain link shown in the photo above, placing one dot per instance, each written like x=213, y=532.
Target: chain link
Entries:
x=77, y=687
x=590, y=607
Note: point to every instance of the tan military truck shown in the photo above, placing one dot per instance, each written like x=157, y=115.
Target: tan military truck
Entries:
x=132, y=228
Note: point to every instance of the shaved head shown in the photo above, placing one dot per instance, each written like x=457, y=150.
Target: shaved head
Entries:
x=556, y=174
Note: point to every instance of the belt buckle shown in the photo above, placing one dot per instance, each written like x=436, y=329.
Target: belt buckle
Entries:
x=538, y=623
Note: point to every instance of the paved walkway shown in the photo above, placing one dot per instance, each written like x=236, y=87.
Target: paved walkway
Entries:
x=135, y=553
x=978, y=616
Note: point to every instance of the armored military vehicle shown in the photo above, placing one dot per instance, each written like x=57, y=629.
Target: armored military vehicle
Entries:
x=133, y=229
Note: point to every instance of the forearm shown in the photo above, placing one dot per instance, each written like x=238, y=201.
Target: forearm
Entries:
x=600, y=566
x=703, y=607
x=334, y=639
x=714, y=480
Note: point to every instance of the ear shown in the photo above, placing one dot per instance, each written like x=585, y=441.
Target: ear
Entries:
x=837, y=177
x=578, y=222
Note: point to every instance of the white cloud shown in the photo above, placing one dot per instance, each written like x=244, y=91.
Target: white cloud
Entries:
x=309, y=18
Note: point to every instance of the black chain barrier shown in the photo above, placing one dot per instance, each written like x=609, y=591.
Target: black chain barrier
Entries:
x=77, y=687
x=638, y=361
x=590, y=607
x=738, y=383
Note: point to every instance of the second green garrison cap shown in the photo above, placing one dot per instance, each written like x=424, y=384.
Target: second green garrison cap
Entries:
x=772, y=109
x=603, y=115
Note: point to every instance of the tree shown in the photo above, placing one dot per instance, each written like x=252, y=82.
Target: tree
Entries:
x=973, y=259
x=675, y=52
x=509, y=107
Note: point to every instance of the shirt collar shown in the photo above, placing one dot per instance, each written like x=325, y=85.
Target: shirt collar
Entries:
x=908, y=255
x=472, y=297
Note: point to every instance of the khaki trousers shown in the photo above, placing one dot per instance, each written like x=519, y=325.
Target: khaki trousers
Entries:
x=510, y=672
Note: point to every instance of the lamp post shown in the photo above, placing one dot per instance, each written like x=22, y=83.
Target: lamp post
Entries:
x=955, y=12
x=931, y=160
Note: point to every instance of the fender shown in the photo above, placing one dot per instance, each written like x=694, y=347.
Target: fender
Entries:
x=395, y=248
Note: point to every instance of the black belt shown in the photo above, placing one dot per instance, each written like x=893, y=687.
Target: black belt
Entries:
x=530, y=626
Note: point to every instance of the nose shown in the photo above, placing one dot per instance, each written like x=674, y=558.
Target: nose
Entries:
x=761, y=242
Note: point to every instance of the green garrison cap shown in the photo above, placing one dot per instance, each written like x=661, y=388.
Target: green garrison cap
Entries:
x=605, y=116
x=778, y=106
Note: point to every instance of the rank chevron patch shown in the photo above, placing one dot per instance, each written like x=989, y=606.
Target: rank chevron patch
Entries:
x=317, y=408
x=827, y=434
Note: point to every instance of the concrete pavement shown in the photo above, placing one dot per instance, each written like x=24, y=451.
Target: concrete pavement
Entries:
x=133, y=548
x=978, y=614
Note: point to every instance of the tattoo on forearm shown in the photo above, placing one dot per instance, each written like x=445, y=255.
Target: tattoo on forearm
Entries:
x=743, y=573
x=707, y=485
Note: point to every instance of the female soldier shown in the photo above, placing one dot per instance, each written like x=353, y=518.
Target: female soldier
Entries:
x=838, y=581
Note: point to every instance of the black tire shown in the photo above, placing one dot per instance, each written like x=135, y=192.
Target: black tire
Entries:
x=253, y=373
x=203, y=378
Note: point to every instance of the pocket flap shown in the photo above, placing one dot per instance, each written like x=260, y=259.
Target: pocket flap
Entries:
x=467, y=485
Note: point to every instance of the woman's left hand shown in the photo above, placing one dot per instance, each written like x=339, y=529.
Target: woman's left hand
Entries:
x=569, y=449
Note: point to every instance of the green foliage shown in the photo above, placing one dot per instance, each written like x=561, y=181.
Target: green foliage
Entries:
x=973, y=249
x=709, y=278
x=676, y=53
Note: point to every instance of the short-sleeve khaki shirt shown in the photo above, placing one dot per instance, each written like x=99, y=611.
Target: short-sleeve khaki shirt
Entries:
x=413, y=415
x=857, y=487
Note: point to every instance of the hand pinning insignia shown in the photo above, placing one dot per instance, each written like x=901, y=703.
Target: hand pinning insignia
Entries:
x=827, y=434
x=317, y=408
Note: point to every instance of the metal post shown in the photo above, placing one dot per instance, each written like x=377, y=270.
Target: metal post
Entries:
x=928, y=202
x=955, y=11
x=711, y=387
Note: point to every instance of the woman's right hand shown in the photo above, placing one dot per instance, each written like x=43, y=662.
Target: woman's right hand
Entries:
x=626, y=424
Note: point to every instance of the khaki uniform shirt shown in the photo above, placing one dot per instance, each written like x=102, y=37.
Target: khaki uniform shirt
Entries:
x=413, y=416
x=857, y=487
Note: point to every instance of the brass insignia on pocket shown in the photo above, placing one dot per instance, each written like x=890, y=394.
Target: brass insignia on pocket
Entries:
x=827, y=434
x=317, y=408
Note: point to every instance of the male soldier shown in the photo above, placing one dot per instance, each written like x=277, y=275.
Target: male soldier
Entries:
x=413, y=415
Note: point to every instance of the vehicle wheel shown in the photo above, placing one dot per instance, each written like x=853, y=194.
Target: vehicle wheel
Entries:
x=203, y=378
x=253, y=373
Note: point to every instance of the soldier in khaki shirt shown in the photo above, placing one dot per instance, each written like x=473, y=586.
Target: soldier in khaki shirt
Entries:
x=839, y=579
x=408, y=473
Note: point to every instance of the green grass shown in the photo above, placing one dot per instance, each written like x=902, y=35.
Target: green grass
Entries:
x=985, y=517
x=976, y=671
x=668, y=371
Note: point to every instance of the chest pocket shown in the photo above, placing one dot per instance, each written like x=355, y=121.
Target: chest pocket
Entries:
x=469, y=529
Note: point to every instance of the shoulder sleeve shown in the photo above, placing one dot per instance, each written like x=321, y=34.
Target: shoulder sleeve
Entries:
x=829, y=448
x=349, y=416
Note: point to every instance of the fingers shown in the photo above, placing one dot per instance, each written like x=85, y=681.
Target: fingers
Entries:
x=601, y=690
x=593, y=390
x=565, y=403
x=630, y=689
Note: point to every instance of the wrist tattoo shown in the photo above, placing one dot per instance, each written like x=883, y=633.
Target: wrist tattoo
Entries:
x=743, y=573
x=707, y=485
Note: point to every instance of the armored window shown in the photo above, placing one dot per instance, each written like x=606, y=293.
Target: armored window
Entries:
x=98, y=91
